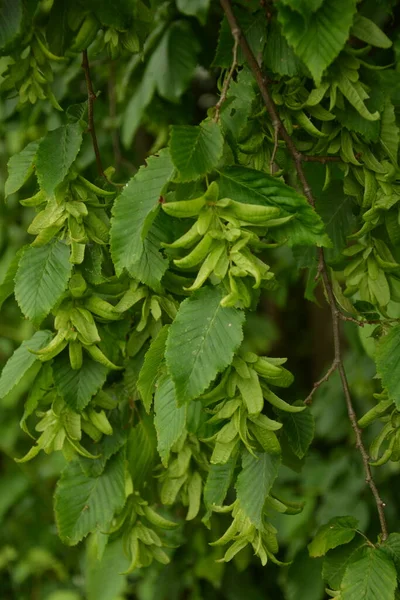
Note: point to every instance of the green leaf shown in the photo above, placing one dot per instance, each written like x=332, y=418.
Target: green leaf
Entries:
x=372, y=577
x=355, y=94
x=338, y=531
x=174, y=60
x=218, y=482
x=135, y=210
x=304, y=578
x=169, y=418
x=149, y=372
x=11, y=22
x=42, y=277
x=254, y=30
x=299, y=429
x=255, y=482
x=391, y=547
x=20, y=168
x=78, y=386
x=137, y=105
x=256, y=187
x=196, y=150
x=7, y=285
x=337, y=560
x=278, y=55
x=364, y=29
x=85, y=504
x=387, y=359
x=389, y=137
x=55, y=155
x=141, y=451
x=194, y=8
x=21, y=361
x=103, y=578
x=336, y=210
x=206, y=335
x=151, y=265
x=318, y=40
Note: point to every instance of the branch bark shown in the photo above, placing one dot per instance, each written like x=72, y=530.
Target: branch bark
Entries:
x=298, y=158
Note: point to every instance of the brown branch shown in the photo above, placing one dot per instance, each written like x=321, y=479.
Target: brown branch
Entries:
x=91, y=98
x=297, y=158
x=320, y=159
x=228, y=78
x=318, y=383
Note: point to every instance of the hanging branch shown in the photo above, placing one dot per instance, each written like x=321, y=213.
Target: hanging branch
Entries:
x=335, y=313
x=228, y=78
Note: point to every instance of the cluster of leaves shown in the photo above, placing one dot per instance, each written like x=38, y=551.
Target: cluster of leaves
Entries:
x=141, y=375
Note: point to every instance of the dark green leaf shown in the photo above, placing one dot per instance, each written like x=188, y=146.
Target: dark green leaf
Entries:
x=169, y=419
x=78, y=386
x=195, y=150
x=299, y=429
x=387, y=358
x=149, y=373
x=263, y=469
x=338, y=531
x=372, y=577
x=85, y=504
x=56, y=153
x=337, y=560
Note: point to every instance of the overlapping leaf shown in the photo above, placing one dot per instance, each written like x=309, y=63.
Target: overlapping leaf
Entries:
x=201, y=342
x=20, y=168
x=169, y=418
x=42, y=277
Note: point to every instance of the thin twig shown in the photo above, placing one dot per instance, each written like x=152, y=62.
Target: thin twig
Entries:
x=274, y=151
x=228, y=78
x=297, y=158
x=367, y=321
x=323, y=379
x=91, y=98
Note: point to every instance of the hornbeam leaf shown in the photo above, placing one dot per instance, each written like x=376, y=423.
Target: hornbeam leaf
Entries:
x=337, y=560
x=56, y=153
x=218, y=481
x=78, y=386
x=261, y=469
x=85, y=504
x=256, y=187
x=42, y=276
x=135, y=210
x=21, y=361
x=196, y=150
x=387, y=358
x=20, y=168
x=338, y=531
x=389, y=137
x=201, y=342
x=369, y=578
x=299, y=429
x=169, y=419
x=149, y=371
x=318, y=40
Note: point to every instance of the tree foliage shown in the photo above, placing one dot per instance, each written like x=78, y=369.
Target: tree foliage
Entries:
x=178, y=173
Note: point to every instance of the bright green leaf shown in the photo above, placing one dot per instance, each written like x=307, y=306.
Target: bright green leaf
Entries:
x=42, y=277
x=149, y=372
x=169, y=419
x=21, y=361
x=206, y=335
x=20, y=168
x=196, y=150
